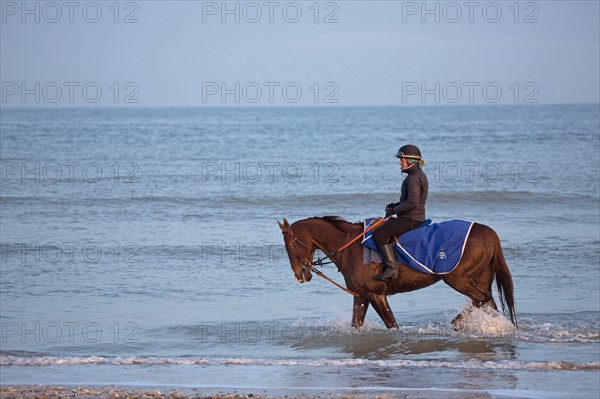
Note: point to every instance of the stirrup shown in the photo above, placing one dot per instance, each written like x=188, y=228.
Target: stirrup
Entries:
x=389, y=273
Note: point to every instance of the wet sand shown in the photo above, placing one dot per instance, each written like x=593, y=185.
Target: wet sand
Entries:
x=55, y=392
x=123, y=392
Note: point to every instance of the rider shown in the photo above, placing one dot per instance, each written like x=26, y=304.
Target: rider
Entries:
x=410, y=210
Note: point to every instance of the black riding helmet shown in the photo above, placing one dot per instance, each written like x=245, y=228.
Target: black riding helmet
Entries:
x=409, y=151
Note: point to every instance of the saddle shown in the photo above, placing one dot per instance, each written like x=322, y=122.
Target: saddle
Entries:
x=433, y=248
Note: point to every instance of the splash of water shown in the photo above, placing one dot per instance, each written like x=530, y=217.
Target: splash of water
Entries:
x=484, y=321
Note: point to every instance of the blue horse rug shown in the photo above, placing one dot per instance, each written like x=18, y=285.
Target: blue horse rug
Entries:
x=435, y=248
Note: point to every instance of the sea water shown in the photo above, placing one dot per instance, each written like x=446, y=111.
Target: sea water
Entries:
x=140, y=246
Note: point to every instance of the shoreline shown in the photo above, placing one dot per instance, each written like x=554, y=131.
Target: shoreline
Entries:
x=60, y=391
x=115, y=391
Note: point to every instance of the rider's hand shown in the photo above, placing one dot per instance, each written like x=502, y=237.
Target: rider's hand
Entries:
x=389, y=211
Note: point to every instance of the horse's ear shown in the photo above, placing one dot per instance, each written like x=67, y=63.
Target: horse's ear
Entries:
x=285, y=226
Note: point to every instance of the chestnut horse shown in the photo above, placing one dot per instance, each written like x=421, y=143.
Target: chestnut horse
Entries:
x=482, y=260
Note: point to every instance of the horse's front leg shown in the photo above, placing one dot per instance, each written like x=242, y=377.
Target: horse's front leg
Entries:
x=359, y=312
x=382, y=307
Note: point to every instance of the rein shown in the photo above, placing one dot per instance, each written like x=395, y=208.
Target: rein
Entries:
x=310, y=266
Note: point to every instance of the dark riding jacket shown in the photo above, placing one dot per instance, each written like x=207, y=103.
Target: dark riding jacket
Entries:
x=413, y=195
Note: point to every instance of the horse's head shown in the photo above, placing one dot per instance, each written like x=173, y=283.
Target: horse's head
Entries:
x=300, y=249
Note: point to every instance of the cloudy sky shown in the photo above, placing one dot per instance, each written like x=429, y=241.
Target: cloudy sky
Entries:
x=203, y=53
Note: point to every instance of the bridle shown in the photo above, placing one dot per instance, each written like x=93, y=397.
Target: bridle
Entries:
x=310, y=265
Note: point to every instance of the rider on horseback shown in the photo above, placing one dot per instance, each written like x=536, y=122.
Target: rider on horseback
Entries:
x=410, y=210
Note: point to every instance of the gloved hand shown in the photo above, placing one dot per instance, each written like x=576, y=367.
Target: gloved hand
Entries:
x=389, y=210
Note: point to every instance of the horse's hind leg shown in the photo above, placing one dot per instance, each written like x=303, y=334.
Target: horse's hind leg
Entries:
x=475, y=273
x=476, y=284
x=459, y=317
x=490, y=302
x=359, y=312
x=382, y=307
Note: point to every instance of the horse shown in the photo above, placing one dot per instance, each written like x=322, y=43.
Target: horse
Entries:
x=482, y=261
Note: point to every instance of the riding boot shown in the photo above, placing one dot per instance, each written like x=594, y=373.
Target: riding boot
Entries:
x=390, y=270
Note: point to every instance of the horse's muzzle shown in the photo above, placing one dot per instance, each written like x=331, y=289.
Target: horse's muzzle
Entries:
x=304, y=276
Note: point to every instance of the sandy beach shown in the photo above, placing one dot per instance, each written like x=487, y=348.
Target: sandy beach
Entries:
x=51, y=392
x=39, y=391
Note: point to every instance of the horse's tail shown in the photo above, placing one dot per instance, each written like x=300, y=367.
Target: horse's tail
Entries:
x=504, y=281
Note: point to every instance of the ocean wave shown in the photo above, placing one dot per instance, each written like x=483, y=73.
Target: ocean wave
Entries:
x=506, y=197
x=557, y=365
x=582, y=327
x=462, y=196
x=482, y=323
x=354, y=199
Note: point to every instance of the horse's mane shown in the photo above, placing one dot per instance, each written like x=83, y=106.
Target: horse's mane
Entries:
x=338, y=222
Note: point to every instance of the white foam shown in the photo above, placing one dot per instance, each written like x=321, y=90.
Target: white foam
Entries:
x=485, y=321
x=482, y=323
x=6, y=360
x=556, y=332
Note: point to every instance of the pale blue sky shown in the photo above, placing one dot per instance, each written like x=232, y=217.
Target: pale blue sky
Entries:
x=377, y=53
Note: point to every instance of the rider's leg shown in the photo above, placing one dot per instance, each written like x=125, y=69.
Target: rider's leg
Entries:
x=382, y=236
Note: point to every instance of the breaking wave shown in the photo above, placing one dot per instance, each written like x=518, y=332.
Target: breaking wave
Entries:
x=9, y=360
